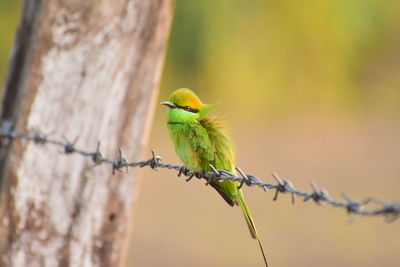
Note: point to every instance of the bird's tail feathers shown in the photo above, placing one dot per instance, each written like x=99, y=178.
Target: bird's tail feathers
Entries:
x=250, y=224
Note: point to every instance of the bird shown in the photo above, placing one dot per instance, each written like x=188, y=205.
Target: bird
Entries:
x=202, y=139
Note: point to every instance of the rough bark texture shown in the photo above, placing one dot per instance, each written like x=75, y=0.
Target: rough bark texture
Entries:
x=89, y=68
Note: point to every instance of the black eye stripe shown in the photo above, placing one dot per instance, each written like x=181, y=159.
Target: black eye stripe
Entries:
x=190, y=109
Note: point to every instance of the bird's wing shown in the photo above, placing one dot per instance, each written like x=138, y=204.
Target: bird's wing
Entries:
x=222, y=145
x=201, y=144
x=223, y=156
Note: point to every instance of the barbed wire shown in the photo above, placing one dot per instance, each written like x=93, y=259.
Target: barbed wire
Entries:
x=389, y=210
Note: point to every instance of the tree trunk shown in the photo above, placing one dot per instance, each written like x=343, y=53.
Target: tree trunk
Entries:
x=79, y=68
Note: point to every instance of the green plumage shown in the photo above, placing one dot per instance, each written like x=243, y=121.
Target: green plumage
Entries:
x=201, y=139
x=205, y=142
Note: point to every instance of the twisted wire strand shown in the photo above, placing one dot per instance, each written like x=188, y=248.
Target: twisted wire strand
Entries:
x=389, y=210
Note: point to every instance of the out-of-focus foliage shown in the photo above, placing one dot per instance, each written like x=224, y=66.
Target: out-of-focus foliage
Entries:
x=277, y=57
x=273, y=57
x=9, y=15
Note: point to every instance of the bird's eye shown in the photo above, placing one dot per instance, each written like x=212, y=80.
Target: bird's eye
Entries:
x=187, y=108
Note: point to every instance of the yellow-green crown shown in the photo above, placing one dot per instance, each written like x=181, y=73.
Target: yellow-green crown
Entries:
x=185, y=97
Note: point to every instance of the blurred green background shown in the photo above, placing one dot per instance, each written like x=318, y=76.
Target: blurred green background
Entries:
x=312, y=91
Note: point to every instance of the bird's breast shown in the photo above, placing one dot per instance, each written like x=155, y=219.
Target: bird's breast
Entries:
x=182, y=135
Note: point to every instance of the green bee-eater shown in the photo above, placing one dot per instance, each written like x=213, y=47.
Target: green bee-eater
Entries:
x=201, y=139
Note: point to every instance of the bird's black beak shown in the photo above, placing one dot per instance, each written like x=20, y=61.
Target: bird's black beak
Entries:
x=168, y=104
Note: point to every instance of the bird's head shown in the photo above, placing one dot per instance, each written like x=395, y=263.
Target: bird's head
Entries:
x=184, y=105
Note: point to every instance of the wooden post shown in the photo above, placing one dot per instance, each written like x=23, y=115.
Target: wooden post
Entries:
x=79, y=68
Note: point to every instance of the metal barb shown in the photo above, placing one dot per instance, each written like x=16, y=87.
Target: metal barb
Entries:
x=183, y=170
x=351, y=205
x=280, y=187
x=154, y=161
x=209, y=177
x=244, y=176
x=256, y=181
x=290, y=187
x=119, y=163
x=214, y=169
x=39, y=138
x=6, y=130
x=69, y=147
x=96, y=156
x=316, y=195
